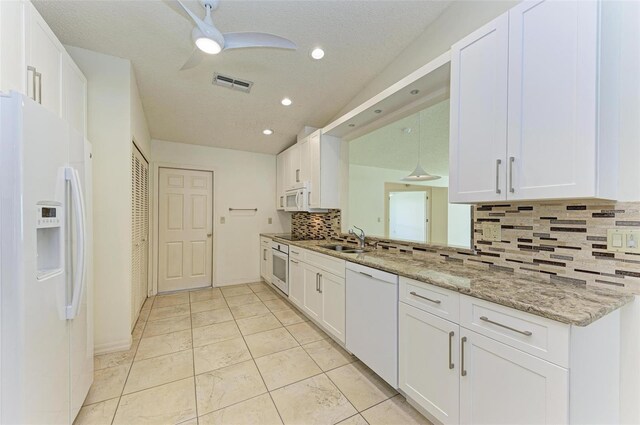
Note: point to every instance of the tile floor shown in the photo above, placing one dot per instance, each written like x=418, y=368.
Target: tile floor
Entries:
x=236, y=355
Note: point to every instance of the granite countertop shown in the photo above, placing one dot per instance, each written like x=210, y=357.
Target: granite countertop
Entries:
x=562, y=302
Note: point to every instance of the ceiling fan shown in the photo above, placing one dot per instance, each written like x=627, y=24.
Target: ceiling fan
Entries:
x=209, y=40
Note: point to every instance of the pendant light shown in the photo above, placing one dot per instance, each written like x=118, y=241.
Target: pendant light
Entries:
x=419, y=174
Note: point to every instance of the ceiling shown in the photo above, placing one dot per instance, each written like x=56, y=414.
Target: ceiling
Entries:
x=360, y=39
x=388, y=147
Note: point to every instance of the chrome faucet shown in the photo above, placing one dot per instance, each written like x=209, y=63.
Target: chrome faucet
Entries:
x=360, y=237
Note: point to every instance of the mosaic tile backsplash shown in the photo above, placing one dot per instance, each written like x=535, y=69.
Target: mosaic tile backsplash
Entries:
x=557, y=241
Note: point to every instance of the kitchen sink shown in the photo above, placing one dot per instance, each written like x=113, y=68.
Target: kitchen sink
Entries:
x=344, y=249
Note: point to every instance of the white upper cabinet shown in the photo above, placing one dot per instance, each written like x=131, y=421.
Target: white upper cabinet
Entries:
x=524, y=107
x=44, y=62
x=552, y=99
x=280, y=168
x=12, y=48
x=478, y=126
x=74, y=96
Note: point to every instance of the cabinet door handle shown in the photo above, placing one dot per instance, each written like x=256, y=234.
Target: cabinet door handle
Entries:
x=511, y=161
x=486, y=319
x=33, y=80
x=463, y=371
x=282, y=202
x=295, y=252
x=317, y=282
x=264, y=254
x=294, y=261
x=425, y=298
x=309, y=198
x=498, y=162
x=320, y=283
x=39, y=75
x=298, y=176
x=451, y=334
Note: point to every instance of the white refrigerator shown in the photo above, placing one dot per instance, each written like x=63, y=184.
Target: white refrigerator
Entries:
x=46, y=323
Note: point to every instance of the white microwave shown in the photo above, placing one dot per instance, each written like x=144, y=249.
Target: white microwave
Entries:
x=296, y=200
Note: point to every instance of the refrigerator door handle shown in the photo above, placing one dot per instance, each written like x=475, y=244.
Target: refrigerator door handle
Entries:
x=79, y=274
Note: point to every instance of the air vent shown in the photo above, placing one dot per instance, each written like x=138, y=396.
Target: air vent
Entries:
x=232, y=83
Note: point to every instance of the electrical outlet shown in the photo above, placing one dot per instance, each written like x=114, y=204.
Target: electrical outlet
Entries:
x=491, y=232
x=270, y=220
x=223, y=220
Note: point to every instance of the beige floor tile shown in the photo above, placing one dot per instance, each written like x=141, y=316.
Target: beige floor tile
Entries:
x=159, y=370
x=278, y=304
x=210, y=317
x=167, y=404
x=171, y=299
x=224, y=387
x=193, y=421
x=256, y=411
x=259, y=287
x=394, y=411
x=312, y=401
x=107, y=384
x=255, y=324
x=354, y=420
x=242, y=299
x=269, y=342
x=172, y=311
x=328, y=355
x=248, y=310
x=290, y=317
x=306, y=332
x=97, y=414
x=221, y=354
x=118, y=358
x=267, y=295
x=361, y=385
x=163, y=344
x=215, y=333
x=166, y=326
x=232, y=291
x=286, y=367
x=205, y=294
x=213, y=304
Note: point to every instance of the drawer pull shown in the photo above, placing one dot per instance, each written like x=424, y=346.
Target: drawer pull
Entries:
x=451, y=334
x=425, y=298
x=366, y=274
x=486, y=319
x=294, y=261
x=294, y=252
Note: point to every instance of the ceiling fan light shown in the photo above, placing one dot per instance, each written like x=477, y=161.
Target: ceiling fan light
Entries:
x=419, y=175
x=204, y=43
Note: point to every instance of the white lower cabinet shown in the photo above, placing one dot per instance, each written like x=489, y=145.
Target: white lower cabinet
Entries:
x=312, y=303
x=503, y=385
x=332, y=289
x=265, y=259
x=429, y=371
x=296, y=282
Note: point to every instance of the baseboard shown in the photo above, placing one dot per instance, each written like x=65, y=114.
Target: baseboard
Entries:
x=238, y=282
x=112, y=347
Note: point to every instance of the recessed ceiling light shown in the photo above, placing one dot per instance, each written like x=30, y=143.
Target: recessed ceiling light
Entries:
x=317, y=53
x=377, y=111
x=286, y=101
x=414, y=92
x=267, y=132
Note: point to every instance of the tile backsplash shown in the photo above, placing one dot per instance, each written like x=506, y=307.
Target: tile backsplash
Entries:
x=559, y=241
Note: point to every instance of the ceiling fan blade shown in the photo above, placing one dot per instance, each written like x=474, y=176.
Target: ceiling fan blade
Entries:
x=199, y=22
x=240, y=40
x=194, y=60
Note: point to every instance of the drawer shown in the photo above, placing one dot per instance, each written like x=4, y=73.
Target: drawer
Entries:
x=430, y=298
x=541, y=337
x=325, y=262
x=265, y=241
x=297, y=253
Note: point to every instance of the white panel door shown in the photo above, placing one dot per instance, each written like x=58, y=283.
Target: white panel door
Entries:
x=296, y=282
x=44, y=52
x=139, y=232
x=553, y=54
x=503, y=385
x=186, y=235
x=333, y=293
x=428, y=367
x=478, y=127
x=312, y=302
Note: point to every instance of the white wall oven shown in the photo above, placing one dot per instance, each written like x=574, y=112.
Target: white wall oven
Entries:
x=280, y=268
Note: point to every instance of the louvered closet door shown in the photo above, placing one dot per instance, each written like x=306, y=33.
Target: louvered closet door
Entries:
x=139, y=231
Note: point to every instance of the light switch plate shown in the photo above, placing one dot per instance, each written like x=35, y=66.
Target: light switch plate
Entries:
x=623, y=240
x=491, y=232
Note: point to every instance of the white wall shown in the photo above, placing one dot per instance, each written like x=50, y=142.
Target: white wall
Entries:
x=139, y=129
x=241, y=180
x=457, y=21
x=109, y=128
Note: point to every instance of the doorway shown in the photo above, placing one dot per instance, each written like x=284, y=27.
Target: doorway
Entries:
x=409, y=216
x=185, y=229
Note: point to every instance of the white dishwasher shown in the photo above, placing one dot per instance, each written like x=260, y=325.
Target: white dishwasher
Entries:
x=372, y=319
